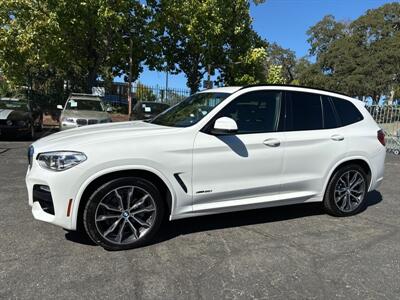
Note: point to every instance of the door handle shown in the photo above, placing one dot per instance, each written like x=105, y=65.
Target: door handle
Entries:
x=272, y=143
x=337, y=137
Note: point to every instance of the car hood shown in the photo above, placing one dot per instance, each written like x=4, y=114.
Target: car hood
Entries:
x=85, y=114
x=75, y=139
x=9, y=114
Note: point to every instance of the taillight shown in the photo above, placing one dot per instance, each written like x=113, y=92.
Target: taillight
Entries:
x=381, y=137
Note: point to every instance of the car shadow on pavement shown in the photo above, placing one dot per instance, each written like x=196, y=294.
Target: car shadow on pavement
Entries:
x=249, y=217
x=173, y=229
x=21, y=138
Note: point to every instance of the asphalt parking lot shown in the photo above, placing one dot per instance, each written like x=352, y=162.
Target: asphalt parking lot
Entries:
x=294, y=252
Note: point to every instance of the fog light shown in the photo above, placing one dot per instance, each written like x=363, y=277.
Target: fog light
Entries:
x=44, y=188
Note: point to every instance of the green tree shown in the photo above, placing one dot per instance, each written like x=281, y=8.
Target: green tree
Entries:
x=286, y=58
x=73, y=40
x=196, y=36
x=144, y=93
x=361, y=58
x=275, y=75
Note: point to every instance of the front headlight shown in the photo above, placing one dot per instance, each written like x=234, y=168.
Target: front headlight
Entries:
x=60, y=160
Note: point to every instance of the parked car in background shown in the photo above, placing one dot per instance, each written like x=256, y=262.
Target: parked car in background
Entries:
x=19, y=116
x=81, y=110
x=144, y=110
x=220, y=150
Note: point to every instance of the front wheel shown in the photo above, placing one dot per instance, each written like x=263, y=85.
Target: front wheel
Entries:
x=124, y=213
x=346, y=191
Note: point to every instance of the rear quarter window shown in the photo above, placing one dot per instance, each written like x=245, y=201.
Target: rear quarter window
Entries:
x=347, y=112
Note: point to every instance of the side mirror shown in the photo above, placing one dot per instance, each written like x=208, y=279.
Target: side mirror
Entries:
x=224, y=126
x=109, y=109
x=59, y=106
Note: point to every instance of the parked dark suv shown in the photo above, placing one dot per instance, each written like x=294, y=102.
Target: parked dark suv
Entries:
x=19, y=117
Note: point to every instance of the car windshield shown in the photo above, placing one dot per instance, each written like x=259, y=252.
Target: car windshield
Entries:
x=92, y=105
x=150, y=107
x=13, y=104
x=191, y=110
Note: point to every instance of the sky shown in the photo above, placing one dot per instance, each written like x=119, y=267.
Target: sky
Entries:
x=286, y=23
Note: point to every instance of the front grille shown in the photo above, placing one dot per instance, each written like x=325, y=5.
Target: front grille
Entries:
x=92, y=121
x=42, y=194
x=3, y=122
x=81, y=122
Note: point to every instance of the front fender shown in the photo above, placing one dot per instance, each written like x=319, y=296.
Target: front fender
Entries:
x=117, y=166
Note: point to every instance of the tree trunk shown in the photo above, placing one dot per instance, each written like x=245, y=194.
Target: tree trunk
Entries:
x=390, y=100
x=193, y=80
x=91, y=80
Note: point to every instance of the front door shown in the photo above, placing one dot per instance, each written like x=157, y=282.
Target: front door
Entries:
x=241, y=170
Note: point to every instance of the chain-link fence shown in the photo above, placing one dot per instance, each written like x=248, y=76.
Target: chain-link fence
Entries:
x=388, y=118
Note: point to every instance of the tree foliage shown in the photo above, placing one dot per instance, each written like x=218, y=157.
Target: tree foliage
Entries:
x=285, y=58
x=195, y=36
x=73, y=40
x=144, y=93
x=360, y=58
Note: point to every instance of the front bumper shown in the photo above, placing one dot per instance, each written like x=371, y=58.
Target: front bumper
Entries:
x=13, y=130
x=55, y=205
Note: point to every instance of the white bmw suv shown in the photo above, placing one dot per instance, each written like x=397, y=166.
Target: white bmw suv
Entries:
x=220, y=150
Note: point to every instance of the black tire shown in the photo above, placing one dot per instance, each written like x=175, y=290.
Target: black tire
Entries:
x=39, y=127
x=91, y=209
x=31, y=134
x=329, y=203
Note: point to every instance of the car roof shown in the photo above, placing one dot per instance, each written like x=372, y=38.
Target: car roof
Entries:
x=10, y=99
x=151, y=102
x=295, y=87
x=225, y=89
x=288, y=87
x=77, y=96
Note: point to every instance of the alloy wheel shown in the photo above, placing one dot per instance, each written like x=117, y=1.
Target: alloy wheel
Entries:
x=349, y=191
x=125, y=214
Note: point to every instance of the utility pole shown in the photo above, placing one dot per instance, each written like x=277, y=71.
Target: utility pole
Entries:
x=166, y=86
x=130, y=78
x=209, y=85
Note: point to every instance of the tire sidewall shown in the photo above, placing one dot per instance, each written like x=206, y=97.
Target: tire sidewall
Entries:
x=91, y=207
x=329, y=199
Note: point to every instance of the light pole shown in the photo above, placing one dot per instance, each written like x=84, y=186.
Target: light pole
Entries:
x=166, y=85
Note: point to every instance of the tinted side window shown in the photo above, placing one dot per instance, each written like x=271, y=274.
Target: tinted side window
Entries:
x=305, y=111
x=348, y=113
x=254, y=112
x=330, y=118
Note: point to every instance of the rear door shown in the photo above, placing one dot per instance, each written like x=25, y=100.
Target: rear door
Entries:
x=313, y=143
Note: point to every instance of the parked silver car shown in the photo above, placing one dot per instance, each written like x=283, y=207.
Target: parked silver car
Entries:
x=81, y=110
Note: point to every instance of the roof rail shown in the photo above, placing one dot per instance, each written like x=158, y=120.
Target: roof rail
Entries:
x=291, y=85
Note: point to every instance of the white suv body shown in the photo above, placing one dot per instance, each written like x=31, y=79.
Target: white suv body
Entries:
x=200, y=168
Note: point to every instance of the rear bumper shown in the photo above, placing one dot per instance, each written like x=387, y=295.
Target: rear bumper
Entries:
x=377, y=169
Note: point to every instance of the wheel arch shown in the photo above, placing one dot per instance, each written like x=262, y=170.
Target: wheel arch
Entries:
x=97, y=180
x=361, y=161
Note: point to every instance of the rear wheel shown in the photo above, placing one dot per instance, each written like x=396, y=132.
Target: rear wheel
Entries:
x=30, y=135
x=346, y=191
x=124, y=213
x=39, y=126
